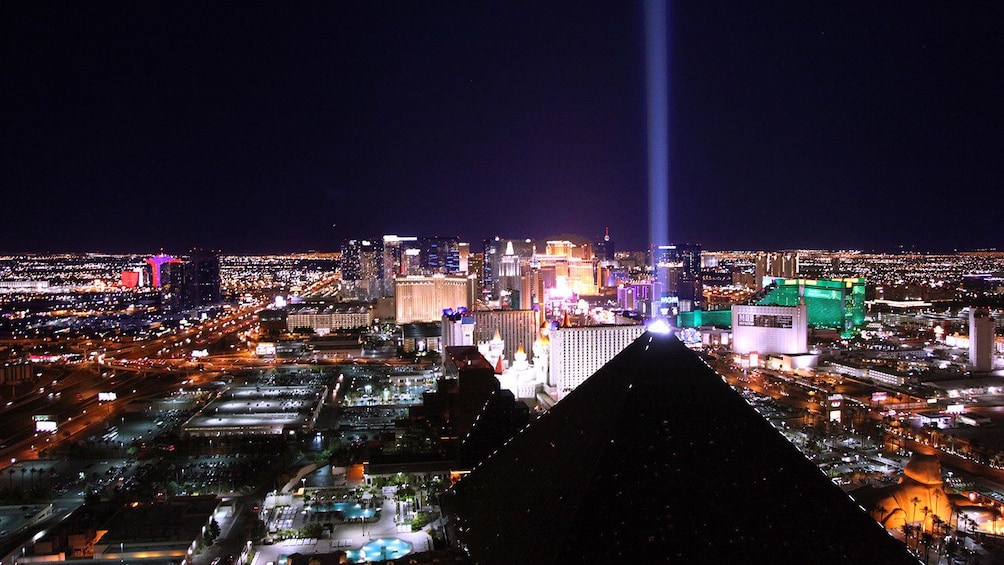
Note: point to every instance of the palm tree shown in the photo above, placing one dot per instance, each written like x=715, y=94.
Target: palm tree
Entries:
x=923, y=524
x=937, y=525
x=880, y=510
x=24, y=471
x=915, y=502
x=950, y=548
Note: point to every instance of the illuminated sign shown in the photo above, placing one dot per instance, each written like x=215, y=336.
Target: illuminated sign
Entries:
x=764, y=320
x=107, y=396
x=48, y=427
x=879, y=396
x=265, y=349
x=955, y=408
x=44, y=423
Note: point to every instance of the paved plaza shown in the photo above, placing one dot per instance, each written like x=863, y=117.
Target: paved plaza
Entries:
x=345, y=536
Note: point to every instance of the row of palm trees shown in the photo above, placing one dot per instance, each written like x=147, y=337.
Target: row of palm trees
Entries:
x=32, y=472
x=938, y=536
x=39, y=481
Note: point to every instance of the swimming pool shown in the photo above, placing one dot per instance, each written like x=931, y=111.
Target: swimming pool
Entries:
x=379, y=550
x=351, y=510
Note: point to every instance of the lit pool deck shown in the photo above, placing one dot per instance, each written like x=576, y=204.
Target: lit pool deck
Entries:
x=380, y=549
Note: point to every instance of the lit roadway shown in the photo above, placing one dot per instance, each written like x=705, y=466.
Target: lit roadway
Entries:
x=788, y=395
x=797, y=396
x=138, y=370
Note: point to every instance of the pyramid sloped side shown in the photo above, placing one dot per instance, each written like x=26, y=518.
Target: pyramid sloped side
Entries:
x=655, y=457
x=527, y=494
x=698, y=475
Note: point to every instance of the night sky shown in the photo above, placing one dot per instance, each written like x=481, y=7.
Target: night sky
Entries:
x=280, y=127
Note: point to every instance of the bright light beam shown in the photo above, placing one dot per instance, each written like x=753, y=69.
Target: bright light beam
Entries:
x=657, y=93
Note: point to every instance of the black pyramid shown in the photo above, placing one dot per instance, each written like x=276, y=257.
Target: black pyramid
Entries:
x=655, y=459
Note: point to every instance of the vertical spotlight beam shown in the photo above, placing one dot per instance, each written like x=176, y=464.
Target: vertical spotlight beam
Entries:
x=657, y=93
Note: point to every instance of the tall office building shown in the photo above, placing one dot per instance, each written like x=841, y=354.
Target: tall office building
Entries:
x=639, y=296
x=578, y=352
x=362, y=270
x=476, y=268
x=195, y=281
x=395, y=249
x=680, y=266
x=566, y=268
x=362, y=259
x=504, y=260
x=491, y=247
x=463, y=257
x=156, y=266
x=981, y=339
x=531, y=290
x=775, y=265
x=206, y=267
x=440, y=255
x=686, y=256
x=655, y=459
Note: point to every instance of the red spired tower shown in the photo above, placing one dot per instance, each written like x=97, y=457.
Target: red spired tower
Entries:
x=156, y=262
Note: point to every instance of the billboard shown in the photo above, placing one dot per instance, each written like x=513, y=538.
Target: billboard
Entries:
x=45, y=423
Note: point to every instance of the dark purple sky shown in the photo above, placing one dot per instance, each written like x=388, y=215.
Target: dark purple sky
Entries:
x=133, y=126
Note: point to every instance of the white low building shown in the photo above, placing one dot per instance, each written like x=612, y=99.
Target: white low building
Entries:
x=770, y=330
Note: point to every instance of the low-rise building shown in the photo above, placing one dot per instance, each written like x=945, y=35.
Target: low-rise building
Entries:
x=769, y=330
x=322, y=318
x=137, y=532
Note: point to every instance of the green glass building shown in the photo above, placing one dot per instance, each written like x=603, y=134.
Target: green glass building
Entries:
x=698, y=318
x=837, y=304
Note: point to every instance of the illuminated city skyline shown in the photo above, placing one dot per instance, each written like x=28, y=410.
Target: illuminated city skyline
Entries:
x=825, y=348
